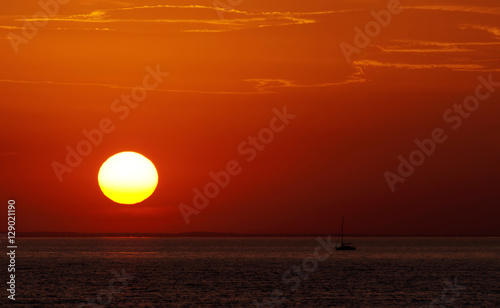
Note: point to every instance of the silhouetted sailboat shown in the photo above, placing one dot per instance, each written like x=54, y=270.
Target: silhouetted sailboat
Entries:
x=343, y=246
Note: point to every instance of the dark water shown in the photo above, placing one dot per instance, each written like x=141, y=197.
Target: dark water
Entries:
x=235, y=272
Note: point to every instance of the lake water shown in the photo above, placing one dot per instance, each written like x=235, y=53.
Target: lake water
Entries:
x=240, y=272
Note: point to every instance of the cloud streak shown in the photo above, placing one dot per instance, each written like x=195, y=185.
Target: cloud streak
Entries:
x=431, y=66
x=493, y=30
x=264, y=84
x=457, y=8
x=235, y=19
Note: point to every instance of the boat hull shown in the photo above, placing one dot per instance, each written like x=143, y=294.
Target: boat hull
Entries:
x=345, y=248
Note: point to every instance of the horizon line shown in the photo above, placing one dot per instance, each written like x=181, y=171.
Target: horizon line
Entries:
x=219, y=234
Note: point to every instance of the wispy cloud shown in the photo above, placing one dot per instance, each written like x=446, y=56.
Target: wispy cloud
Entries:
x=264, y=84
x=204, y=30
x=234, y=19
x=431, y=66
x=422, y=49
x=493, y=30
x=457, y=8
x=11, y=27
x=436, y=55
x=432, y=47
x=114, y=86
x=443, y=45
x=235, y=11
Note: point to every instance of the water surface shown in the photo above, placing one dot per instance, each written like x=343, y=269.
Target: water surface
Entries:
x=236, y=272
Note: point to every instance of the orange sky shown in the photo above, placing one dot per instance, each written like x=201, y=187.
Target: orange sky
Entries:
x=227, y=72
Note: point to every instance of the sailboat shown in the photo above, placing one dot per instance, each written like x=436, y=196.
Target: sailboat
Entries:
x=343, y=245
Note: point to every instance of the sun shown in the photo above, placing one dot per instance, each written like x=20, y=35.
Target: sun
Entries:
x=127, y=178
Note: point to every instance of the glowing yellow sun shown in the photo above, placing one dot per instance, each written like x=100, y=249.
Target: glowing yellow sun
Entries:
x=128, y=178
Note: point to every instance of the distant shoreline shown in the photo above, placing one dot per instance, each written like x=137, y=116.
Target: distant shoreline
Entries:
x=212, y=234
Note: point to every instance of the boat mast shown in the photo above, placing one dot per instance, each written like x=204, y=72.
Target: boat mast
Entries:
x=342, y=233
